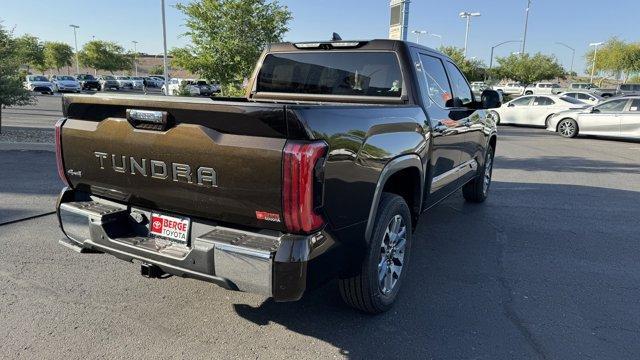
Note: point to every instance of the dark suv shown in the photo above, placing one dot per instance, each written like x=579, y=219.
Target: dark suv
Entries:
x=88, y=82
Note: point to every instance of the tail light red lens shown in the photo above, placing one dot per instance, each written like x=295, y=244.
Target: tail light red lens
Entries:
x=59, y=162
x=299, y=178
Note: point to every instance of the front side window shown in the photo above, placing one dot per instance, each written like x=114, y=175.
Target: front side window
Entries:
x=462, y=94
x=521, y=101
x=356, y=73
x=571, y=95
x=438, y=87
x=612, y=106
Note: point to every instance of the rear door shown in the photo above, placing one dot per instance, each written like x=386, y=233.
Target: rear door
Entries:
x=541, y=107
x=604, y=119
x=447, y=130
x=630, y=120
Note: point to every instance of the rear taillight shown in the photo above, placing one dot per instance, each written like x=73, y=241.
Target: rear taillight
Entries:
x=301, y=179
x=59, y=161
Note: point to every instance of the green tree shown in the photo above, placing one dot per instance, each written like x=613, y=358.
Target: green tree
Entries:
x=528, y=69
x=227, y=37
x=104, y=55
x=473, y=69
x=156, y=70
x=30, y=52
x=57, y=55
x=12, y=93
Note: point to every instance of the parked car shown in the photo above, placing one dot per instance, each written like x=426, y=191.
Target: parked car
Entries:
x=478, y=87
x=584, y=96
x=617, y=117
x=509, y=89
x=588, y=87
x=287, y=188
x=136, y=82
x=174, y=87
x=124, y=82
x=88, y=82
x=108, y=82
x=542, y=88
x=628, y=89
x=38, y=83
x=205, y=88
x=65, y=83
x=533, y=110
x=154, y=82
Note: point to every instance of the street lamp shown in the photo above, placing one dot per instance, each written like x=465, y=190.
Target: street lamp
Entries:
x=135, y=55
x=526, y=24
x=436, y=36
x=164, y=39
x=418, y=33
x=595, y=53
x=468, y=16
x=573, y=54
x=495, y=46
x=75, y=38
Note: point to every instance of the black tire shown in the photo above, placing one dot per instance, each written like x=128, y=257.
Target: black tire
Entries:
x=365, y=291
x=477, y=190
x=568, y=128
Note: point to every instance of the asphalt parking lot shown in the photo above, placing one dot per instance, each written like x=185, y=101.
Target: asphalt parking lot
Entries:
x=547, y=268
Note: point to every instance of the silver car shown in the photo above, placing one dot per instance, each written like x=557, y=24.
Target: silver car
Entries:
x=618, y=117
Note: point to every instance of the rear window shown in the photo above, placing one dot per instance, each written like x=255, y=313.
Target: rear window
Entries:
x=332, y=73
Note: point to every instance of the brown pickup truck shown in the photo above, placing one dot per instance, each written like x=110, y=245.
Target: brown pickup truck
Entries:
x=320, y=172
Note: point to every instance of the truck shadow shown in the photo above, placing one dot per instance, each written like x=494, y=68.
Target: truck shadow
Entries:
x=459, y=298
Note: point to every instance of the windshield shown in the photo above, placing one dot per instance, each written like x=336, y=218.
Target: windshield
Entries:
x=136, y=78
x=37, y=78
x=108, y=77
x=66, y=78
x=86, y=77
x=202, y=82
x=332, y=73
x=123, y=78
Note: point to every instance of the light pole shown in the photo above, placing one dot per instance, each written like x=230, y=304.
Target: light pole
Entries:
x=573, y=54
x=75, y=38
x=418, y=33
x=526, y=24
x=164, y=39
x=595, y=54
x=135, y=55
x=495, y=46
x=436, y=36
x=468, y=16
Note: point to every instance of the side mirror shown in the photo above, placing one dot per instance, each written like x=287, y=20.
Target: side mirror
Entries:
x=490, y=99
x=593, y=110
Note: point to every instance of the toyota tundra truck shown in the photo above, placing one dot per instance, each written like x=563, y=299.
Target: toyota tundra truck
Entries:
x=319, y=172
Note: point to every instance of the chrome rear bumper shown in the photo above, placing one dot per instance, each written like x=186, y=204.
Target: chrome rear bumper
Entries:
x=270, y=264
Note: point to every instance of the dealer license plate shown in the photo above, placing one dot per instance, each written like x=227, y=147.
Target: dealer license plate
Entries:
x=170, y=227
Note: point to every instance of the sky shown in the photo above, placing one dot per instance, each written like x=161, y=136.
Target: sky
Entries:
x=573, y=22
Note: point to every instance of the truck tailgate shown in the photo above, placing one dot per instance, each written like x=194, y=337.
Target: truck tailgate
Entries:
x=214, y=160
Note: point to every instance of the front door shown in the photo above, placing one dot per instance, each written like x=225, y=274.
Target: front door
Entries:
x=604, y=119
x=630, y=120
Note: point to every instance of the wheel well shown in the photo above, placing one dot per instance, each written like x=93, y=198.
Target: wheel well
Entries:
x=406, y=183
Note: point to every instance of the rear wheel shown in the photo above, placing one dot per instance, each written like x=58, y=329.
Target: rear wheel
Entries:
x=568, y=128
x=528, y=92
x=477, y=190
x=375, y=288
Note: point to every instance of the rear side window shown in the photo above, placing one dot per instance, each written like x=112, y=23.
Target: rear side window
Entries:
x=438, y=87
x=356, y=73
x=635, y=105
x=543, y=101
x=461, y=91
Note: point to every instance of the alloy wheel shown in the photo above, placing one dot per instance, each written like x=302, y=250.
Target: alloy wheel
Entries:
x=488, y=168
x=392, y=252
x=567, y=128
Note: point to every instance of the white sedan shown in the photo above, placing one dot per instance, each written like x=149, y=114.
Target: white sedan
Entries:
x=618, y=117
x=584, y=96
x=533, y=110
